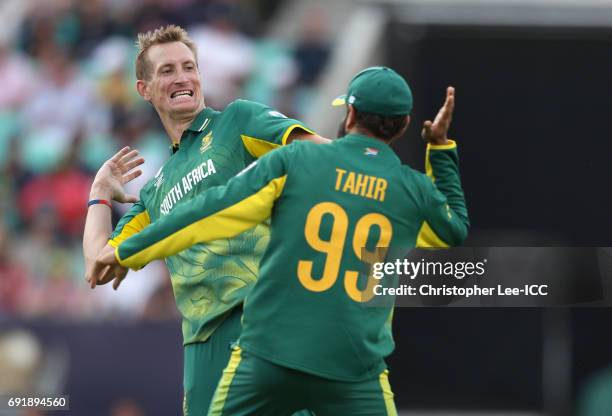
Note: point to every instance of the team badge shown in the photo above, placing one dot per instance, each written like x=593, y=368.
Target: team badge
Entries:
x=371, y=151
x=206, y=142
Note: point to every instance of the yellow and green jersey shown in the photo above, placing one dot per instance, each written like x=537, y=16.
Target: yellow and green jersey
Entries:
x=210, y=279
x=330, y=205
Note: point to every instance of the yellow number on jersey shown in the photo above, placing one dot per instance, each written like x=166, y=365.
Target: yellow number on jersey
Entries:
x=334, y=247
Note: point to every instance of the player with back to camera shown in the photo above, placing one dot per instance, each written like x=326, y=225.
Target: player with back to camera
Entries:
x=307, y=339
x=209, y=281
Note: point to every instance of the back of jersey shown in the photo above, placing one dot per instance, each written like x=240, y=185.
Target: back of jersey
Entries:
x=309, y=309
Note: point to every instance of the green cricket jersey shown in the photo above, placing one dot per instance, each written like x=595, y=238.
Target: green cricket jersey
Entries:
x=210, y=279
x=327, y=203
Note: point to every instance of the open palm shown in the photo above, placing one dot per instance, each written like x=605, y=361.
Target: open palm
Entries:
x=436, y=132
x=116, y=172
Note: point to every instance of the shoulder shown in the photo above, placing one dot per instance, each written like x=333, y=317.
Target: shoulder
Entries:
x=149, y=188
x=246, y=108
x=412, y=177
x=243, y=106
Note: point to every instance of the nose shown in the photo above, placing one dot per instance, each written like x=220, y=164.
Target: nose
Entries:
x=181, y=77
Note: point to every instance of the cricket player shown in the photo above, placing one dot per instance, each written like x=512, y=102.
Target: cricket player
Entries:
x=209, y=147
x=307, y=340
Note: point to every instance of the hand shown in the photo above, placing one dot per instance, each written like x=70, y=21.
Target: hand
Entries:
x=436, y=132
x=106, y=268
x=116, y=172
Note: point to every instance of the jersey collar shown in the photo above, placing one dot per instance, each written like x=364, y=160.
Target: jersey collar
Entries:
x=198, y=125
x=201, y=121
x=372, y=146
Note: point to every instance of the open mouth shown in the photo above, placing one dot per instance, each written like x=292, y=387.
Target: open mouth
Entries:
x=182, y=93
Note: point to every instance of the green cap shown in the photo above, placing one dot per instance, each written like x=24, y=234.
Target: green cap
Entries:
x=378, y=90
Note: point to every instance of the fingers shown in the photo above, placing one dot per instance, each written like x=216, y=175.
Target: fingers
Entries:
x=133, y=163
x=118, y=281
x=117, y=156
x=97, y=269
x=130, y=176
x=426, y=131
x=107, y=275
x=449, y=105
x=126, y=157
x=129, y=161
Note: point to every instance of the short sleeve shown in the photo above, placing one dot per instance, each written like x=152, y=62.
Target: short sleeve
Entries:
x=262, y=128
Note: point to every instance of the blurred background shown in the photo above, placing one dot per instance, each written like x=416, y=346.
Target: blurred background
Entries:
x=533, y=81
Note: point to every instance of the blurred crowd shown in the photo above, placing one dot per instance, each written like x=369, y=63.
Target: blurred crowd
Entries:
x=68, y=102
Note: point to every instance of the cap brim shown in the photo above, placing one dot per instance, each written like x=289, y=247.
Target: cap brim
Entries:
x=340, y=100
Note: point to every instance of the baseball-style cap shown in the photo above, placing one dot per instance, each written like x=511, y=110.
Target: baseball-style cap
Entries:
x=378, y=90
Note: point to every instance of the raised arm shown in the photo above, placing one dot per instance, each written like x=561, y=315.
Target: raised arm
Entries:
x=107, y=186
x=446, y=213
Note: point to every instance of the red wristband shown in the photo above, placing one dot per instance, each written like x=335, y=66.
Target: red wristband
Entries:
x=99, y=201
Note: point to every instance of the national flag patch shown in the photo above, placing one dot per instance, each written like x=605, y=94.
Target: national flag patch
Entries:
x=370, y=151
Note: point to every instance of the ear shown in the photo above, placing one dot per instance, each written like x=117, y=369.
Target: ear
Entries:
x=408, y=120
x=401, y=133
x=143, y=89
x=351, y=118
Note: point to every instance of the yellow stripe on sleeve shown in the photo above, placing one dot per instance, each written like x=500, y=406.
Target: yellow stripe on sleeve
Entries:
x=428, y=169
x=450, y=145
x=226, y=223
x=387, y=393
x=290, y=130
x=133, y=226
x=257, y=147
x=222, y=392
x=428, y=238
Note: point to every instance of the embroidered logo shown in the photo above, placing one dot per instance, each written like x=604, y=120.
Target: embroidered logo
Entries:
x=206, y=142
x=159, y=178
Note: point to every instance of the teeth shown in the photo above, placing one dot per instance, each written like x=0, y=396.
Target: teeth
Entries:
x=179, y=93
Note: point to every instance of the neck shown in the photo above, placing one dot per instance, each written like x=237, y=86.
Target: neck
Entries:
x=364, y=132
x=176, y=125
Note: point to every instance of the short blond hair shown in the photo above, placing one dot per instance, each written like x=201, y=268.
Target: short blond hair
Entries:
x=164, y=34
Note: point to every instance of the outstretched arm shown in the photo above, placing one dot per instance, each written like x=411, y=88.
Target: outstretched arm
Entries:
x=303, y=135
x=220, y=212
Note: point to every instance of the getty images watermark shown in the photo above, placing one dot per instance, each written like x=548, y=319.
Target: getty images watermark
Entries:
x=489, y=276
x=458, y=270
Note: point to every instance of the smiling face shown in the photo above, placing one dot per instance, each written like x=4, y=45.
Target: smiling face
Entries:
x=174, y=86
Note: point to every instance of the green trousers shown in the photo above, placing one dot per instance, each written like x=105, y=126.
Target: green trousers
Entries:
x=251, y=386
x=204, y=363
